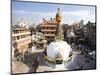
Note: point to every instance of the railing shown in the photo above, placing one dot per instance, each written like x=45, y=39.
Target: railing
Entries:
x=21, y=34
x=45, y=30
x=48, y=25
x=49, y=34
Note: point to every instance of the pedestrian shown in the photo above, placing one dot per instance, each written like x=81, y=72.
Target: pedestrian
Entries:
x=35, y=65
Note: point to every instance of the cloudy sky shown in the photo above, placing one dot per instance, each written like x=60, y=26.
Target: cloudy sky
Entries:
x=34, y=12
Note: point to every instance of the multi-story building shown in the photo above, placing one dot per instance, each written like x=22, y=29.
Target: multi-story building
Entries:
x=90, y=33
x=52, y=28
x=48, y=28
x=21, y=39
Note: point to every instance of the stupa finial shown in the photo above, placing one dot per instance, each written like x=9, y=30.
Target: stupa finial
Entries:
x=58, y=16
x=59, y=35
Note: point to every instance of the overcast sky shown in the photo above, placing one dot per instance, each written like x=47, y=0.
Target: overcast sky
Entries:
x=34, y=12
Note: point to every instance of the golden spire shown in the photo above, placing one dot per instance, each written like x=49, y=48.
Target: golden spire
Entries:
x=59, y=35
x=58, y=16
x=58, y=10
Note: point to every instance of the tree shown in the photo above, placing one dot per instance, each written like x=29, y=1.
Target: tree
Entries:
x=38, y=28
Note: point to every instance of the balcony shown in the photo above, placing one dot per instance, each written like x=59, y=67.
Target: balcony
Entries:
x=21, y=34
x=48, y=26
x=49, y=34
x=45, y=30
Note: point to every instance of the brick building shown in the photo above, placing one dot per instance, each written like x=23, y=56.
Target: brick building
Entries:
x=48, y=28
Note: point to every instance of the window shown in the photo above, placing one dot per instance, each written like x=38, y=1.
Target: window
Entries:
x=18, y=37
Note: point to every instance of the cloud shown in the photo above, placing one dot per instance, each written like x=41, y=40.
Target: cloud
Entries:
x=21, y=12
x=32, y=12
x=67, y=16
x=86, y=15
x=33, y=16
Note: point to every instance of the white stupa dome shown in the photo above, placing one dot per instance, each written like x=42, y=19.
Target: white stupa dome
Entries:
x=59, y=49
